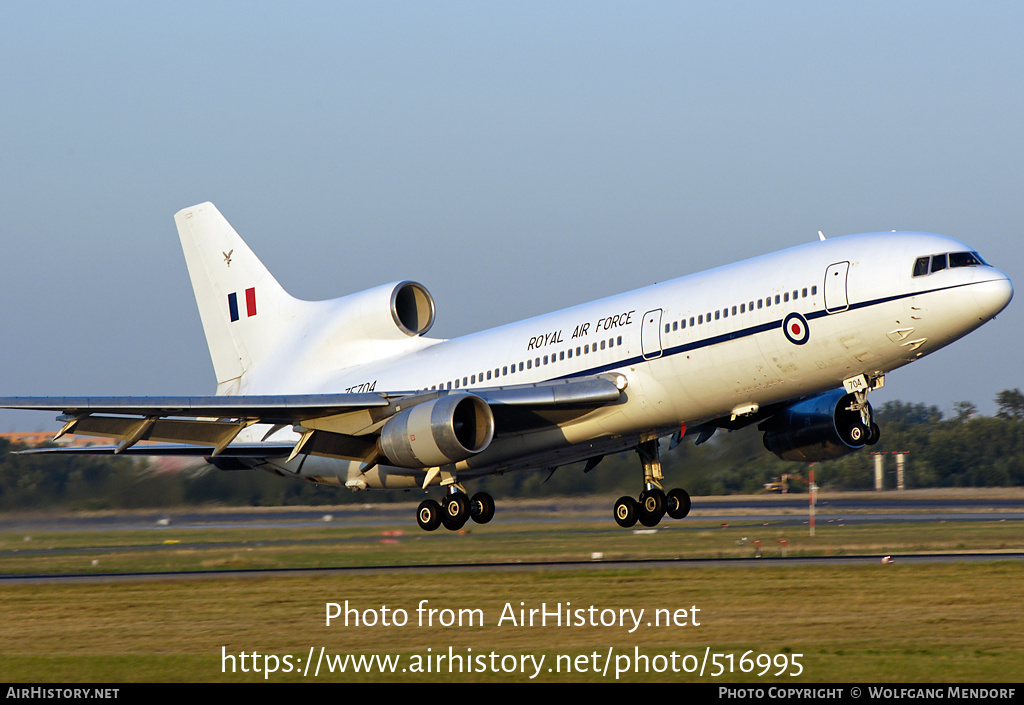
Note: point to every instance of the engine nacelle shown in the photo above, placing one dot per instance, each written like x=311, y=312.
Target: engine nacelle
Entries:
x=819, y=428
x=439, y=432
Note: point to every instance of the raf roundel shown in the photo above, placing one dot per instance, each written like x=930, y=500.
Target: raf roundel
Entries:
x=795, y=328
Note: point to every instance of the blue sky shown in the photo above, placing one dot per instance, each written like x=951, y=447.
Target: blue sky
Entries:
x=515, y=158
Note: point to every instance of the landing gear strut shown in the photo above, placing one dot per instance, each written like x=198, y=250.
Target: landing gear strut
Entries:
x=653, y=503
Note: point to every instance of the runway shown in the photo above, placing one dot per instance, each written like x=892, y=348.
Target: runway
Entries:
x=362, y=529
x=958, y=505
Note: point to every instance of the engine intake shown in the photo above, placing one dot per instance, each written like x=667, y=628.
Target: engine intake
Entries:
x=438, y=432
x=412, y=308
x=819, y=428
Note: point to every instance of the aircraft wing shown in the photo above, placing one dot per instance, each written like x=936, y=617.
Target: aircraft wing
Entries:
x=335, y=425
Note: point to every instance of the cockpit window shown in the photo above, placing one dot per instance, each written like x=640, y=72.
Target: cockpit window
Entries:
x=936, y=263
x=965, y=259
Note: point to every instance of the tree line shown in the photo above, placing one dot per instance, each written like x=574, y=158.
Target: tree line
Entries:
x=963, y=450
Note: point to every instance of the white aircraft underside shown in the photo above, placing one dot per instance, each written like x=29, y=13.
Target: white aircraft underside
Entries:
x=351, y=392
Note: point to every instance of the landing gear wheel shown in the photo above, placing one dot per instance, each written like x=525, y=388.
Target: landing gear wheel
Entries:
x=653, y=502
x=626, y=511
x=455, y=511
x=678, y=503
x=481, y=507
x=858, y=434
x=652, y=506
x=428, y=515
x=876, y=433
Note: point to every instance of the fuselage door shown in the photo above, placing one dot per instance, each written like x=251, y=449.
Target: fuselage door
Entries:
x=835, y=287
x=650, y=335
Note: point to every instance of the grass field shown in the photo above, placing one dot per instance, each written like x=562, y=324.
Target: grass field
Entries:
x=931, y=622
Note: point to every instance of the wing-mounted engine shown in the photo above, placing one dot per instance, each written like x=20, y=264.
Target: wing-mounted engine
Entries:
x=438, y=432
x=819, y=428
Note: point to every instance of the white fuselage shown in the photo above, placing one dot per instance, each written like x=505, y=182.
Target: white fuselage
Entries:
x=693, y=349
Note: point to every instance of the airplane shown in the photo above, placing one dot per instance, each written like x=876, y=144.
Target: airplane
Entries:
x=351, y=392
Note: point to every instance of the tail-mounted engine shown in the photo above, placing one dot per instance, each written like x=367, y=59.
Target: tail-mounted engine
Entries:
x=412, y=308
x=438, y=432
x=359, y=328
x=819, y=428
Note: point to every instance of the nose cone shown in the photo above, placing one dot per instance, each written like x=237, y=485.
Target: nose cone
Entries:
x=992, y=295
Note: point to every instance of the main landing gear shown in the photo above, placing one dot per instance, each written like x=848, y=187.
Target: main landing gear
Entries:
x=653, y=502
x=455, y=510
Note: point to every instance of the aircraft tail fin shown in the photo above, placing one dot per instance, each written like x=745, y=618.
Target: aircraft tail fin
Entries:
x=245, y=312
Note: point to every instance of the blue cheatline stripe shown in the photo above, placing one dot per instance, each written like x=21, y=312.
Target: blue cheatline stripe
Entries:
x=753, y=330
x=233, y=306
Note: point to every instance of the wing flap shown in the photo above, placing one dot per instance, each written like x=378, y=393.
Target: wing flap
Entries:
x=130, y=430
x=238, y=450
